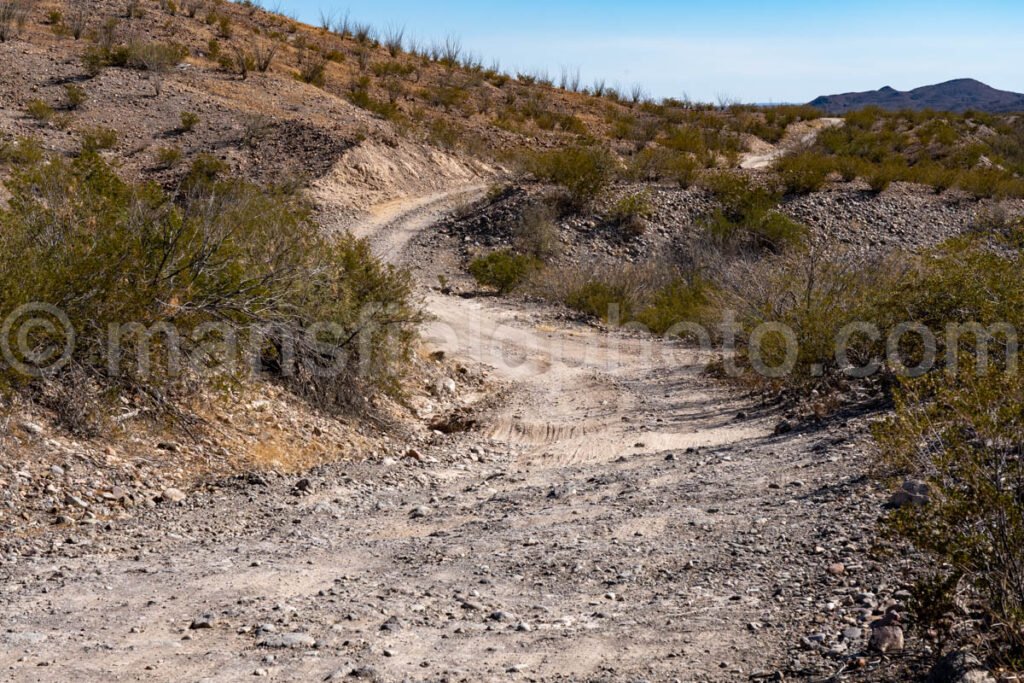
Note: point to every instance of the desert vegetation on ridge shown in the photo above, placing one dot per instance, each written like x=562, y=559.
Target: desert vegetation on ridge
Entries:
x=977, y=153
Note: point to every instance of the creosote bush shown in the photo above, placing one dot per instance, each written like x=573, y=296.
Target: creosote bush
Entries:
x=681, y=300
x=98, y=138
x=25, y=151
x=168, y=157
x=631, y=213
x=815, y=295
x=312, y=68
x=74, y=96
x=109, y=253
x=803, y=173
x=663, y=165
x=958, y=426
x=964, y=436
x=536, y=233
x=154, y=57
x=961, y=427
x=188, y=121
x=503, y=270
x=748, y=217
x=610, y=300
x=39, y=110
x=583, y=172
x=657, y=294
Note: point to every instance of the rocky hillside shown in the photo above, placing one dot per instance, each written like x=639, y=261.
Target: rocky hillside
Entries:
x=960, y=95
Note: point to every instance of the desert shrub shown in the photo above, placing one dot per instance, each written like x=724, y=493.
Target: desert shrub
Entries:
x=188, y=121
x=881, y=176
x=536, y=233
x=394, y=39
x=445, y=134
x=941, y=150
x=935, y=175
x=446, y=96
x=98, y=138
x=247, y=258
x=966, y=282
x=649, y=292
x=770, y=123
x=77, y=19
x=686, y=139
x=74, y=96
x=816, y=296
x=610, y=301
x=583, y=172
x=986, y=183
x=312, y=68
x=393, y=69
x=777, y=231
x=663, y=164
x=503, y=270
x=497, y=78
x=224, y=28
x=360, y=94
x=644, y=165
x=748, y=217
x=631, y=213
x=363, y=33
x=154, y=57
x=24, y=152
x=849, y=168
x=40, y=111
x=964, y=435
x=682, y=300
x=566, y=123
x=739, y=196
x=682, y=169
x=803, y=173
x=168, y=157
x=204, y=172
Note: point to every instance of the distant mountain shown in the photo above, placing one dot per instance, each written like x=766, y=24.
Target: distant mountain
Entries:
x=957, y=96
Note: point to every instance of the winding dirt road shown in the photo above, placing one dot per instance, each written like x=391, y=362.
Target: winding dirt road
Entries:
x=616, y=517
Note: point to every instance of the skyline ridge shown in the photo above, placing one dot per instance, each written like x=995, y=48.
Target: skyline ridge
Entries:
x=791, y=51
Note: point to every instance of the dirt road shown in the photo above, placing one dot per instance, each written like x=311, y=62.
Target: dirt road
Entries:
x=798, y=135
x=615, y=517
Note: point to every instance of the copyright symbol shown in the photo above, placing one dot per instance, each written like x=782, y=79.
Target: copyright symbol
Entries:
x=37, y=339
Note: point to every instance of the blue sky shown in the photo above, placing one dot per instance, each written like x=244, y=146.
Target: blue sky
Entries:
x=782, y=51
